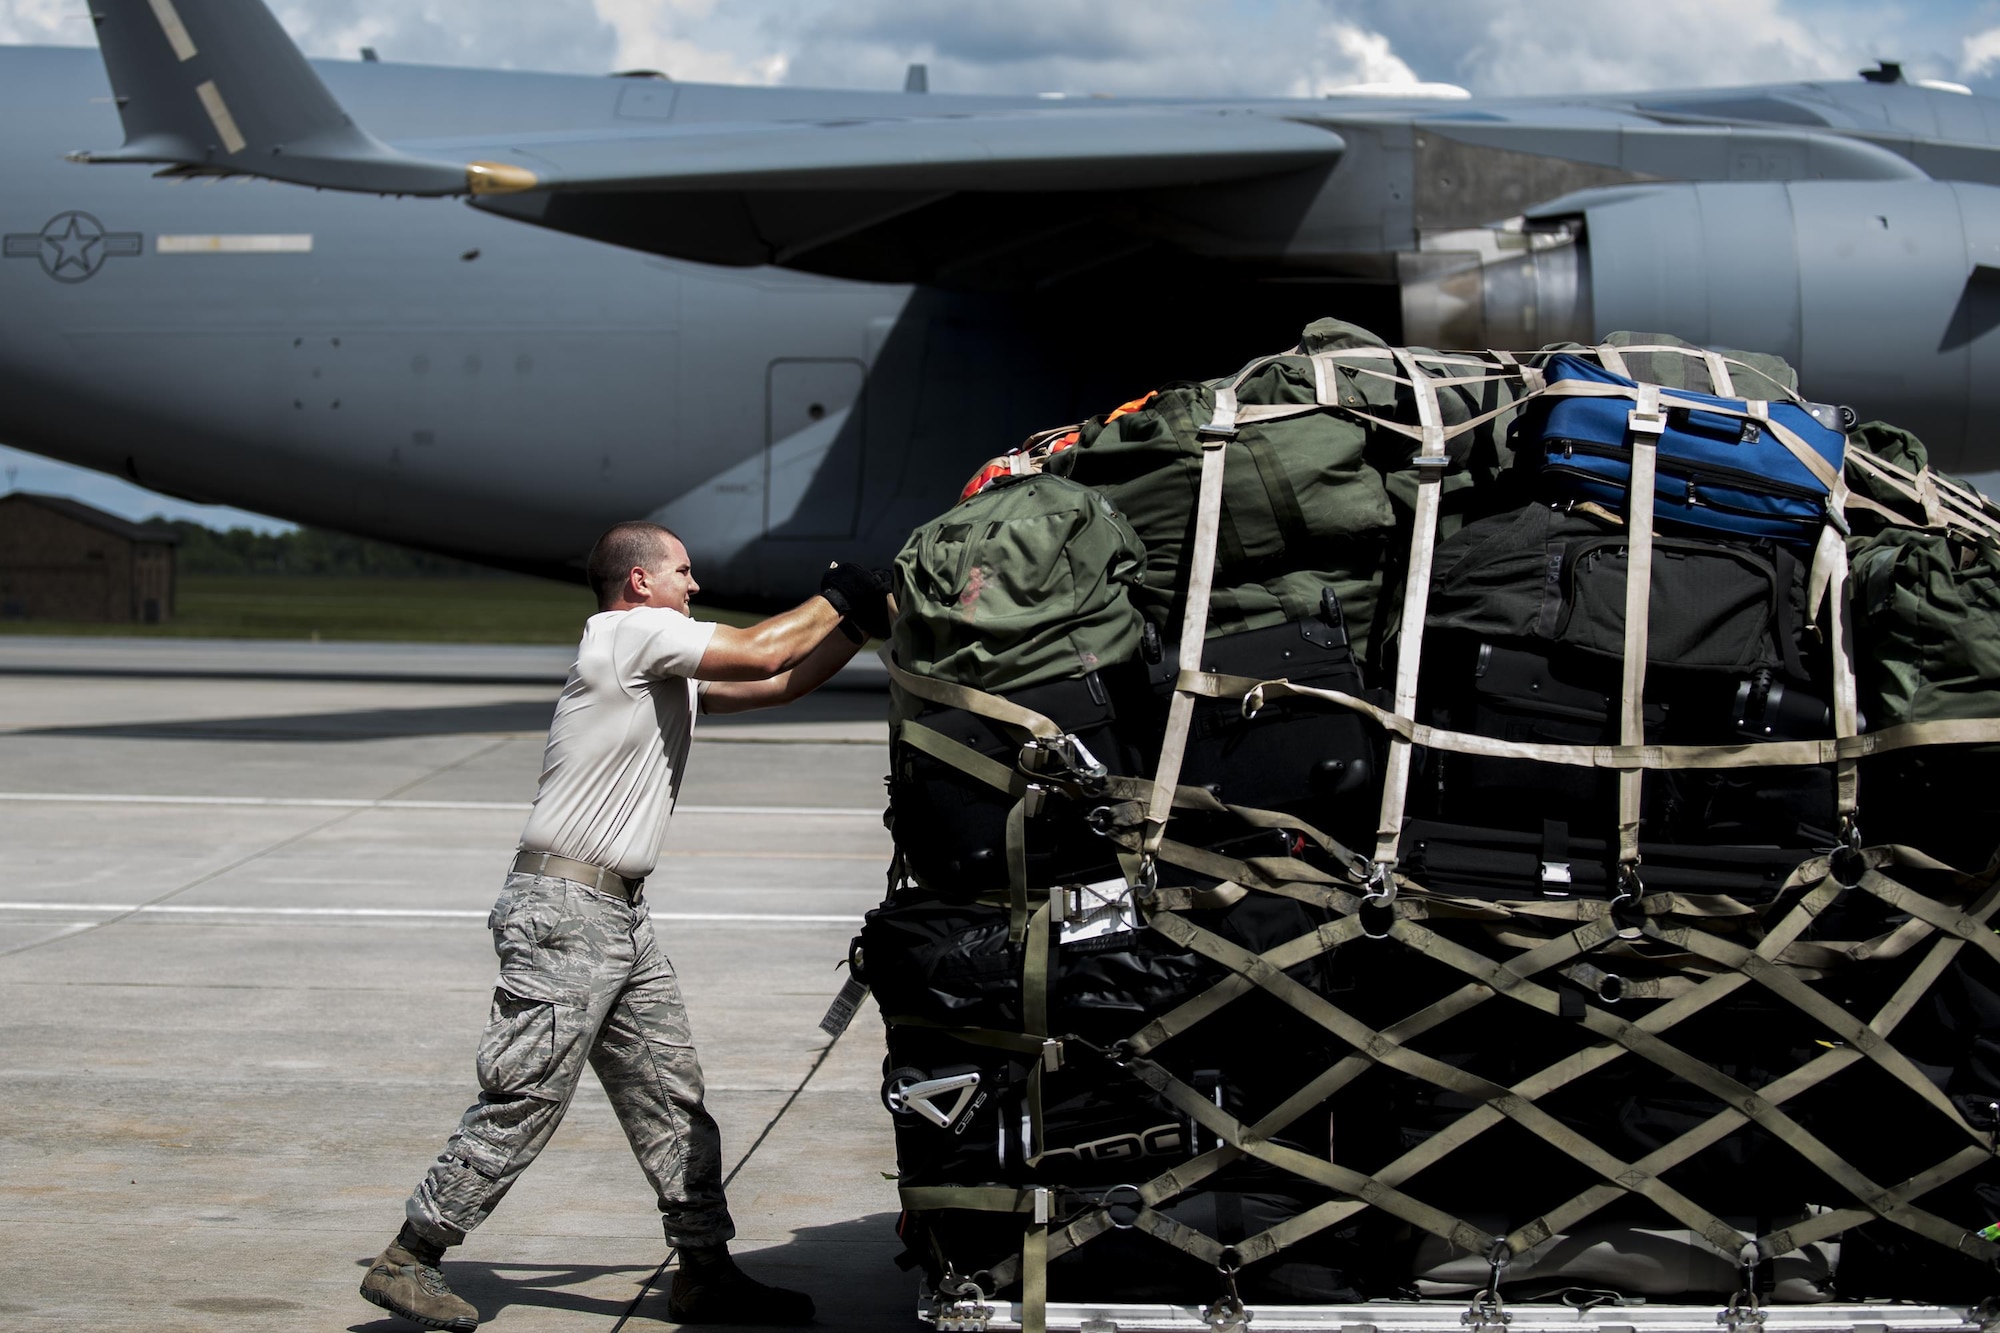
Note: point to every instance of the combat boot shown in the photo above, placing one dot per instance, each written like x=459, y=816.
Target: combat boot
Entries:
x=710, y=1289
x=405, y=1281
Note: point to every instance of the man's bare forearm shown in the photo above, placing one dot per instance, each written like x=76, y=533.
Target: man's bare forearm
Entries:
x=820, y=666
x=834, y=652
x=770, y=647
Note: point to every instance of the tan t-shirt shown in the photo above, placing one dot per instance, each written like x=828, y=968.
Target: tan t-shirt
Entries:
x=619, y=742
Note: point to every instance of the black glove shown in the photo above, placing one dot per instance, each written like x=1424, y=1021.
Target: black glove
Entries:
x=860, y=595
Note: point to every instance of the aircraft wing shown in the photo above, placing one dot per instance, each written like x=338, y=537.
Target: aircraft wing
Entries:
x=1004, y=151
x=217, y=85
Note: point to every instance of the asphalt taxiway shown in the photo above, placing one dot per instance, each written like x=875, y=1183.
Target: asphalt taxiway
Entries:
x=243, y=967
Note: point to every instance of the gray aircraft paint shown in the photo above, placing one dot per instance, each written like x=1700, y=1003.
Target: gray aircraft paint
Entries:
x=423, y=371
x=503, y=406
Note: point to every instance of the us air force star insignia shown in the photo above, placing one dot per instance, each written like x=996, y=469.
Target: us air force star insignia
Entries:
x=72, y=246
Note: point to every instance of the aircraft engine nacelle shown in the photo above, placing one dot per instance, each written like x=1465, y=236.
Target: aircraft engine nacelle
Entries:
x=1885, y=296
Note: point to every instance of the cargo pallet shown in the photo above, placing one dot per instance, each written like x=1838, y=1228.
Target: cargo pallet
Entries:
x=1455, y=1316
x=1679, y=954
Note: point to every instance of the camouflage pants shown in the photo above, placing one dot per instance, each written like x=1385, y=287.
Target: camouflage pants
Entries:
x=581, y=977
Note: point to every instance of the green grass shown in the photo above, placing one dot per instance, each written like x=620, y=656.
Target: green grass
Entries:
x=427, y=610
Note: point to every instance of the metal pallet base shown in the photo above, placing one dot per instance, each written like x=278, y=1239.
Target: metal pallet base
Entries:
x=1455, y=1316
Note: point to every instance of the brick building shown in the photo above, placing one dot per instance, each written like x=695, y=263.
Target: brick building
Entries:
x=61, y=560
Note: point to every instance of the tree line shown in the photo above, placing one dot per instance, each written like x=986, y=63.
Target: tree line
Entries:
x=308, y=552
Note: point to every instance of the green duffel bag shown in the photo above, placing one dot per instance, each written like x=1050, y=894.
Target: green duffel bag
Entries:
x=1756, y=375
x=1355, y=577
x=1029, y=581
x=1306, y=497
x=1925, y=599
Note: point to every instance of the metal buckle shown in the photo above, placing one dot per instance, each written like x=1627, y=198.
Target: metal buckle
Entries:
x=1556, y=872
x=1081, y=761
x=1062, y=754
x=1647, y=423
x=1630, y=890
x=1226, y=1313
x=1378, y=901
x=1847, y=864
x=1138, y=1201
x=960, y=1306
x=1742, y=1313
x=1487, y=1311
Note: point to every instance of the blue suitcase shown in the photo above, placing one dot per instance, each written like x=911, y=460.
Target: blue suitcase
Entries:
x=1718, y=471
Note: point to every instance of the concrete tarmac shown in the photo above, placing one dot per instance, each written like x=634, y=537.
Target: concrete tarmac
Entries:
x=243, y=968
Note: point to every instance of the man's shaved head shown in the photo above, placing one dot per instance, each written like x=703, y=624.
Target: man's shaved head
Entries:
x=621, y=549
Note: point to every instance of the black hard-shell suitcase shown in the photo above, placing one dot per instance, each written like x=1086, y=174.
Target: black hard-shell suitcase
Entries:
x=1547, y=694
x=960, y=1111
x=952, y=828
x=1315, y=760
x=952, y=965
x=1556, y=862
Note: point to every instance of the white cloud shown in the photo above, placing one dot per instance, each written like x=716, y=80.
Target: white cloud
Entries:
x=1513, y=47
x=1978, y=52
x=1198, y=48
x=1194, y=48
x=541, y=34
x=652, y=35
x=1346, y=54
x=1370, y=50
x=45, y=22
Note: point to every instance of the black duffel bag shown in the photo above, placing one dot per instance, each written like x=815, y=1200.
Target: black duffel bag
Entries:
x=951, y=964
x=951, y=827
x=1319, y=762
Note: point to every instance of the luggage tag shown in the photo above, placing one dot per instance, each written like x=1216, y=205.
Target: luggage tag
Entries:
x=841, y=1012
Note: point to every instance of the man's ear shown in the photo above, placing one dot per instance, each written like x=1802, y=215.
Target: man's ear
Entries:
x=638, y=584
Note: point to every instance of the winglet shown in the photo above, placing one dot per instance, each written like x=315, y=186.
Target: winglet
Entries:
x=218, y=85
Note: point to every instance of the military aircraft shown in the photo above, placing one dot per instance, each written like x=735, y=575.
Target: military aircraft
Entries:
x=788, y=323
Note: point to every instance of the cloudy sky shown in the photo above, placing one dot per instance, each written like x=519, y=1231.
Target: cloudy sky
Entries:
x=1193, y=47
x=1223, y=48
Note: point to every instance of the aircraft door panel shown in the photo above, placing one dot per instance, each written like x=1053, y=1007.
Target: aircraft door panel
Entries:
x=815, y=430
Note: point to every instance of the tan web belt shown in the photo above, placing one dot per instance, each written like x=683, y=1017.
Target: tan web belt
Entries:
x=578, y=872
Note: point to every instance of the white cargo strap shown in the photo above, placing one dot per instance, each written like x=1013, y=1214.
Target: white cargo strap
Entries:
x=1647, y=423
x=1949, y=507
x=1194, y=632
x=971, y=700
x=1223, y=424
x=1613, y=360
x=1745, y=754
x=1846, y=705
x=1719, y=382
x=1430, y=463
